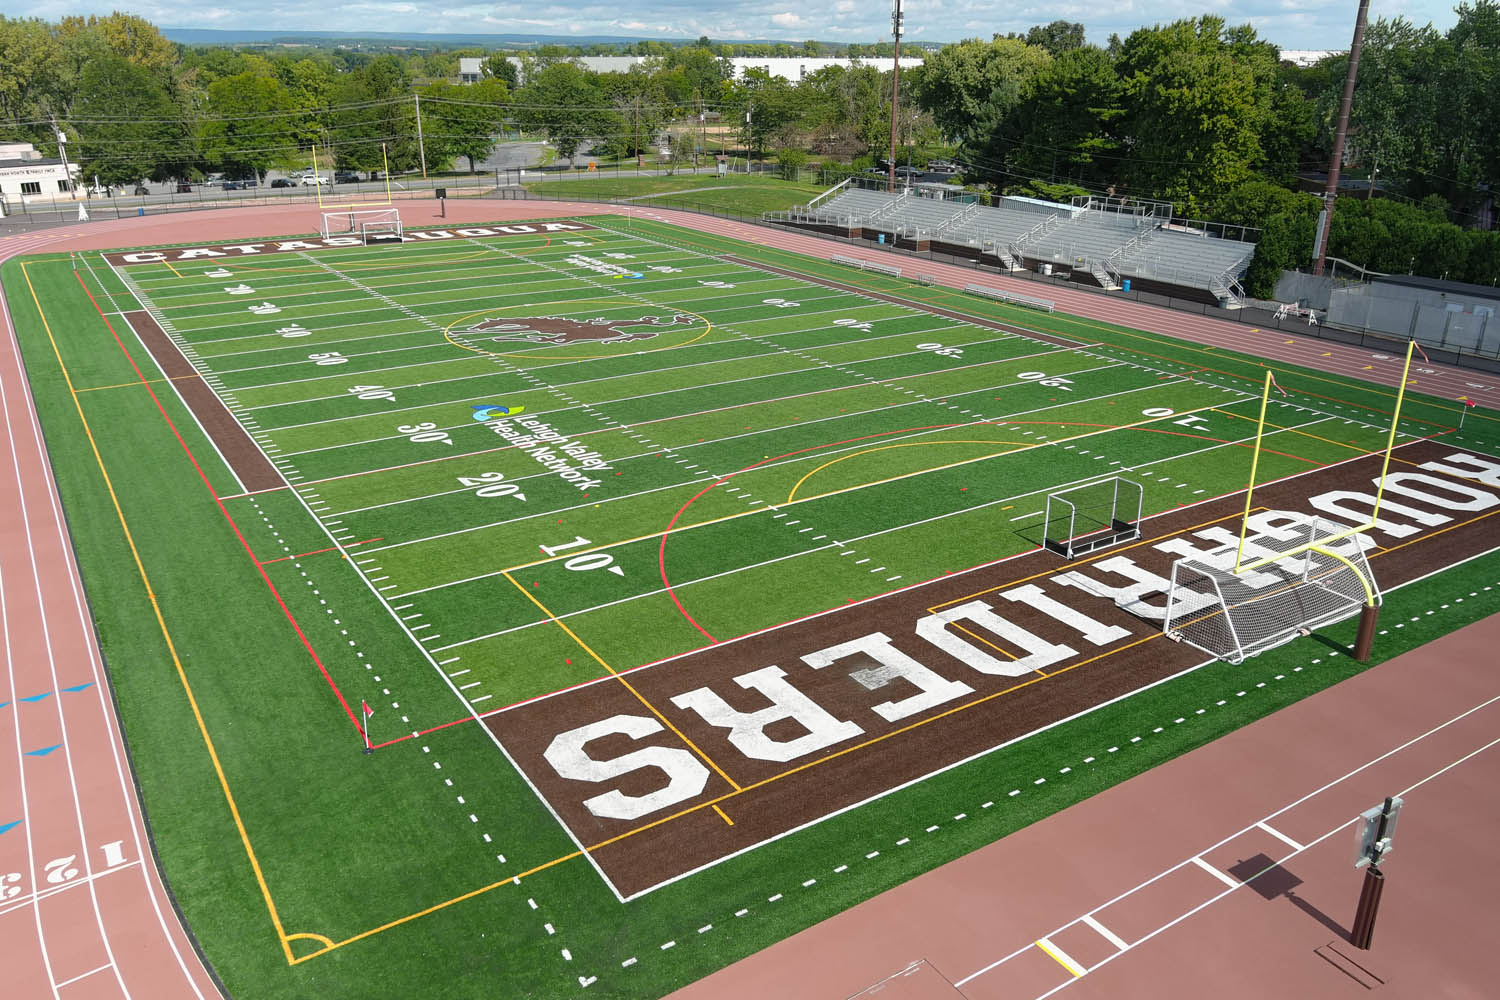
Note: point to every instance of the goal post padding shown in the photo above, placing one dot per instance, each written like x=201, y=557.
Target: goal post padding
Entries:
x=1092, y=516
x=353, y=222
x=1234, y=616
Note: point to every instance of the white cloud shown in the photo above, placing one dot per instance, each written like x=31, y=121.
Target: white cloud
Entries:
x=787, y=20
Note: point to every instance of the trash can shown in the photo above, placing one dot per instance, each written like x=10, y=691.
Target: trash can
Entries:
x=880, y=237
x=1126, y=285
x=1046, y=268
x=140, y=210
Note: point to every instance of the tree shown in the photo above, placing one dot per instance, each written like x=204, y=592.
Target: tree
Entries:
x=500, y=68
x=564, y=101
x=960, y=83
x=1199, y=97
x=378, y=131
x=1068, y=125
x=239, y=135
x=31, y=73
x=1057, y=37
x=767, y=108
x=140, y=132
x=462, y=121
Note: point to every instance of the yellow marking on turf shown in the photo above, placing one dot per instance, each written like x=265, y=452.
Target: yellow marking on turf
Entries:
x=847, y=489
x=909, y=444
x=530, y=310
x=985, y=642
x=1084, y=562
x=618, y=676
x=723, y=815
x=162, y=624
x=327, y=942
x=149, y=381
x=172, y=269
x=1315, y=437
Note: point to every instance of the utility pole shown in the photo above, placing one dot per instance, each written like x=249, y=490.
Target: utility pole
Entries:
x=896, y=20
x=421, y=148
x=1330, y=195
x=637, y=133
x=749, y=136
x=62, y=151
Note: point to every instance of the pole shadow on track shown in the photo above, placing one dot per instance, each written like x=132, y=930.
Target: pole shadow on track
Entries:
x=1269, y=881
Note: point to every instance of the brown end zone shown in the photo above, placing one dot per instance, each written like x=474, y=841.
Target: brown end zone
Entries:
x=240, y=451
x=774, y=798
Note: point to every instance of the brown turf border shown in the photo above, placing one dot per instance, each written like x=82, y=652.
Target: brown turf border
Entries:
x=240, y=452
x=771, y=800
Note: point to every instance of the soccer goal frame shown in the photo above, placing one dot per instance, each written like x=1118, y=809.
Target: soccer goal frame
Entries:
x=1308, y=579
x=1062, y=532
x=363, y=223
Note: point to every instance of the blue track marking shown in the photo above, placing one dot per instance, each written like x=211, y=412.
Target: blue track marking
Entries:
x=37, y=697
x=47, y=694
x=7, y=826
x=44, y=751
x=79, y=687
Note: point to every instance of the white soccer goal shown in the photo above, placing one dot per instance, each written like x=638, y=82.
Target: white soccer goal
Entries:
x=370, y=225
x=1233, y=616
x=1093, y=516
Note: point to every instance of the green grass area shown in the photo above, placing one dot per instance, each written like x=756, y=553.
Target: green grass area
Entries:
x=734, y=194
x=827, y=408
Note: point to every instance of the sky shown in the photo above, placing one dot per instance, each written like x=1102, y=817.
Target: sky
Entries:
x=1291, y=24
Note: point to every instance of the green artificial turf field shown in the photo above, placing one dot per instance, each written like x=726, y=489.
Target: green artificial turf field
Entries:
x=437, y=566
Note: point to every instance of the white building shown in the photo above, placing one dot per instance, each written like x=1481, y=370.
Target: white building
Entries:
x=469, y=70
x=1304, y=58
x=793, y=68
x=26, y=175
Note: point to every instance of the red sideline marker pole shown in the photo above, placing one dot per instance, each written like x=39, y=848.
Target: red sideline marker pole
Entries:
x=366, y=711
x=1465, y=411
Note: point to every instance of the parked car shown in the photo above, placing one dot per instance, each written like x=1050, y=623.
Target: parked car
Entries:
x=310, y=180
x=240, y=185
x=346, y=177
x=908, y=172
x=283, y=182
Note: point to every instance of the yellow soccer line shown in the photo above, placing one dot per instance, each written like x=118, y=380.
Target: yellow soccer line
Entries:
x=149, y=381
x=618, y=676
x=162, y=624
x=908, y=444
x=723, y=815
x=860, y=486
x=1084, y=562
x=172, y=269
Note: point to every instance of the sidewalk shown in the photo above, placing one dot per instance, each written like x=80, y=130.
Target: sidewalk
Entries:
x=1142, y=888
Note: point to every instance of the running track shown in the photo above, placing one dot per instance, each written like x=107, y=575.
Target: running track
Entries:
x=83, y=910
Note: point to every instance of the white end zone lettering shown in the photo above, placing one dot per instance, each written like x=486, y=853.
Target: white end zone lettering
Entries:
x=686, y=777
x=747, y=730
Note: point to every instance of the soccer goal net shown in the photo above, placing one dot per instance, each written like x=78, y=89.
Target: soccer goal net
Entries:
x=1233, y=616
x=368, y=224
x=1093, y=516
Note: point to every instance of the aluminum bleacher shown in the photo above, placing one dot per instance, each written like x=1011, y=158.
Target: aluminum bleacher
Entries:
x=1113, y=239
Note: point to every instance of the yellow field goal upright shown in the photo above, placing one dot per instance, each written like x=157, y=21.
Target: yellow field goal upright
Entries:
x=327, y=195
x=1298, y=576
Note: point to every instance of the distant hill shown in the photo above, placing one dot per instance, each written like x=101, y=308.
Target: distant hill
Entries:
x=216, y=36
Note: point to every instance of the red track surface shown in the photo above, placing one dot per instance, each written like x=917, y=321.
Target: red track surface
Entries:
x=1124, y=858
x=83, y=912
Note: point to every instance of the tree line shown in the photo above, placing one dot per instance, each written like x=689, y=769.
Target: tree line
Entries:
x=1198, y=113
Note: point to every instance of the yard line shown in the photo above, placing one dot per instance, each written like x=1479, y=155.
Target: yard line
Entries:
x=644, y=375
x=799, y=458
x=861, y=382
x=858, y=538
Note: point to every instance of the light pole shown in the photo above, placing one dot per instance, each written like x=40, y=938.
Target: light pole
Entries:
x=896, y=21
x=62, y=152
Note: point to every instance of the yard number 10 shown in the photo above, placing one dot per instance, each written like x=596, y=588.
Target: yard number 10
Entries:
x=587, y=561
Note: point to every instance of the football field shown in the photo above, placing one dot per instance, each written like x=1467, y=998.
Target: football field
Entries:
x=682, y=592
